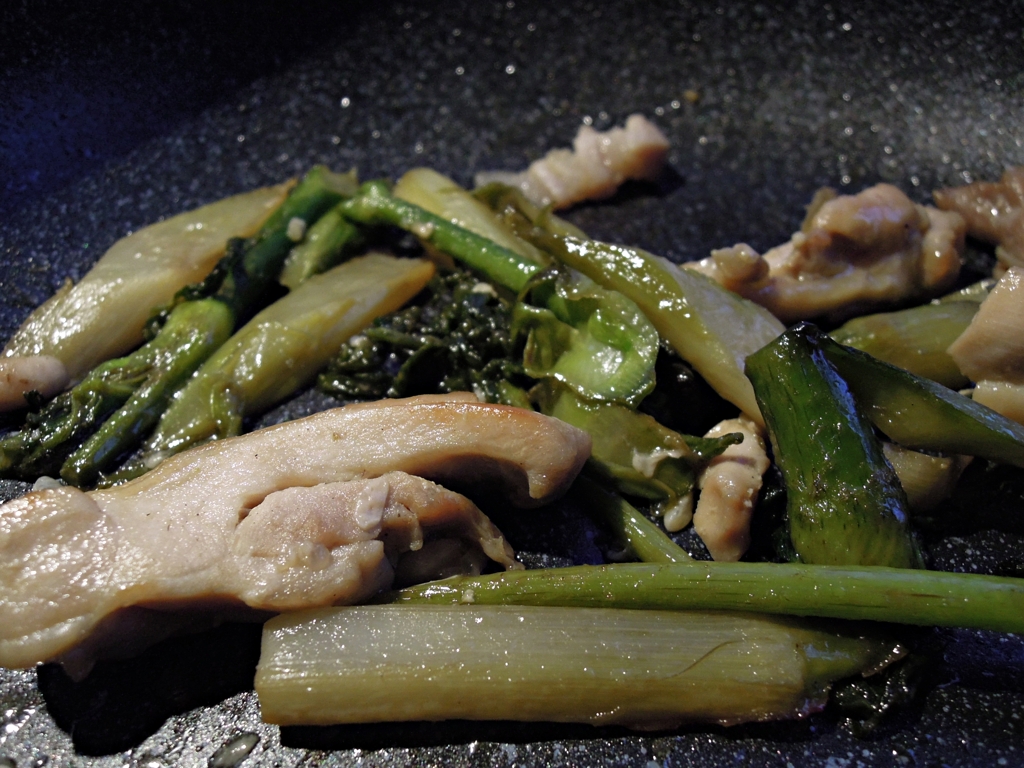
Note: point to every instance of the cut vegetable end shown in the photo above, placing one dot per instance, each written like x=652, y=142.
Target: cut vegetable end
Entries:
x=643, y=669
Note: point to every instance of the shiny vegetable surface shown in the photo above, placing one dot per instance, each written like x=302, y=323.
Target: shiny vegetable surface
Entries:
x=709, y=327
x=376, y=205
x=872, y=593
x=103, y=315
x=647, y=669
x=845, y=503
x=918, y=413
x=280, y=350
x=914, y=339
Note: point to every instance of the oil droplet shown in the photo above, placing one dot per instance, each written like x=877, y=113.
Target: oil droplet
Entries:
x=235, y=751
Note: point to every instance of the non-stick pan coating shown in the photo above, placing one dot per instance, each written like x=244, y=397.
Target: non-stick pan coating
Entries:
x=114, y=117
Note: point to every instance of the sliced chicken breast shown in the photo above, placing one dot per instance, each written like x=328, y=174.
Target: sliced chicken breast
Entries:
x=313, y=512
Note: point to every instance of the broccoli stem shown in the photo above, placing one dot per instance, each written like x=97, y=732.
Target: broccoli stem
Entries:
x=898, y=595
x=374, y=205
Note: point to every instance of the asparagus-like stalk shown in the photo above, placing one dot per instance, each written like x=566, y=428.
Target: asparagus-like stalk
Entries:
x=278, y=351
x=646, y=669
x=244, y=277
x=898, y=595
x=328, y=242
x=375, y=205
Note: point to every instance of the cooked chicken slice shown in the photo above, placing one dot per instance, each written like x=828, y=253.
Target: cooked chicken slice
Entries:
x=991, y=351
x=992, y=347
x=994, y=212
x=38, y=373
x=594, y=168
x=312, y=512
x=103, y=315
x=729, y=486
x=855, y=252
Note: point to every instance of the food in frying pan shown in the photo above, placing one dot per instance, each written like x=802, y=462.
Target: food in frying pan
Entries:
x=104, y=314
x=280, y=350
x=119, y=401
x=582, y=325
x=605, y=666
x=593, y=169
x=994, y=212
x=991, y=351
x=311, y=512
x=854, y=252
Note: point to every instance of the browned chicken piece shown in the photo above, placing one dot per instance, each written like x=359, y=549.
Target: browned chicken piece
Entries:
x=994, y=212
x=594, y=168
x=729, y=486
x=323, y=510
x=991, y=351
x=855, y=252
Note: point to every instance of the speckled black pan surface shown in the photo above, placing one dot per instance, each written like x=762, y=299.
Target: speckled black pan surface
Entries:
x=112, y=119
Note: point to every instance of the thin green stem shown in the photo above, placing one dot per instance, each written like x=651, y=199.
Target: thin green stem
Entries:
x=645, y=540
x=375, y=205
x=905, y=596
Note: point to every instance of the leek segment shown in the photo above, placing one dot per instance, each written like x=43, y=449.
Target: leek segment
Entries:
x=914, y=339
x=920, y=414
x=844, y=501
x=645, y=669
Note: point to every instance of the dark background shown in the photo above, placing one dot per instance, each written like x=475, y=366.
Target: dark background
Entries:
x=115, y=115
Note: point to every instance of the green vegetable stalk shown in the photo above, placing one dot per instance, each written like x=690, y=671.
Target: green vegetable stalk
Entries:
x=374, y=205
x=920, y=414
x=191, y=332
x=139, y=386
x=870, y=593
x=328, y=241
x=643, y=669
x=280, y=350
x=914, y=339
x=642, y=539
x=845, y=503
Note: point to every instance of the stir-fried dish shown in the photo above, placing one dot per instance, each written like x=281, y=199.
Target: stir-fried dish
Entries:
x=505, y=359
